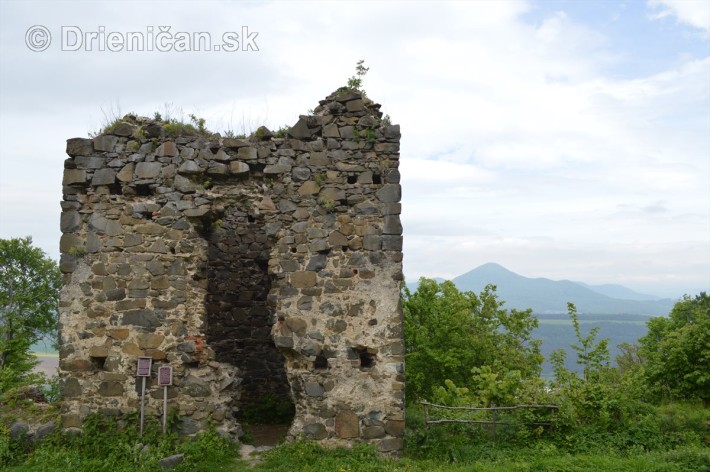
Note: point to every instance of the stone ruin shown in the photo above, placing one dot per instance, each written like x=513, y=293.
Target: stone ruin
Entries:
x=188, y=248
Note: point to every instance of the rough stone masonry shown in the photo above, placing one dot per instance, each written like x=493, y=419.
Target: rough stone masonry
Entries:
x=188, y=247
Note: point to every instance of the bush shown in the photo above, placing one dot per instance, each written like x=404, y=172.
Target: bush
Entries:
x=115, y=445
x=447, y=333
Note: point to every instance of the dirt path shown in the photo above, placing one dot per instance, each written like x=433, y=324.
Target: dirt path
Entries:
x=267, y=434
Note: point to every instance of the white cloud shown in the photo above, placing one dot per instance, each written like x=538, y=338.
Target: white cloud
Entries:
x=518, y=147
x=695, y=13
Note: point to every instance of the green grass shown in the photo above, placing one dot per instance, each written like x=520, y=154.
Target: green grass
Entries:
x=309, y=457
x=670, y=438
x=210, y=453
x=108, y=446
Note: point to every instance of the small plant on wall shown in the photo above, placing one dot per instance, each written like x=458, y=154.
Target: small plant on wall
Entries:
x=355, y=82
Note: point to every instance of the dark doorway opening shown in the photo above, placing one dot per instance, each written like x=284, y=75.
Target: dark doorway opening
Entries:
x=239, y=318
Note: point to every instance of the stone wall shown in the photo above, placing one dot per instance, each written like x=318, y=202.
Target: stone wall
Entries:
x=188, y=248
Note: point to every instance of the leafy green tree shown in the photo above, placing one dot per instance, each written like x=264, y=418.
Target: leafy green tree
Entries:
x=448, y=333
x=29, y=295
x=602, y=397
x=676, y=350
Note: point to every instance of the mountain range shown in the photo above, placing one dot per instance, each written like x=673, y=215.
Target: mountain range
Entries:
x=547, y=296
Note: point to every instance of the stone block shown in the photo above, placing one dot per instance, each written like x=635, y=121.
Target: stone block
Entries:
x=71, y=421
x=105, y=143
x=392, y=225
x=150, y=340
x=169, y=462
x=354, y=105
x=233, y=143
x=118, y=333
x=70, y=388
x=285, y=342
x=300, y=174
x=390, y=444
x=315, y=431
x=74, y=176
x=143, y=318
x=195, y=387
x=90, y=162
x=147, y=170
x=331, y=131
x=392, y=243
x=44, y=430
x=277, y=169
x=79, y=147
x=301, y=130
x=98, y=351
x=111, y=389
x=394, y=428
x=314, y=389
x=372, y=242
x=247, y=153
x=76, y=365
x=297, y=325
x=184, y=185
x=316, y=263
x=373, y=432
x=189, y=167
x=132, y=349
x=104, y=177
x=238, y=167
x=123, y=129
x=390, y=193
x=70, y=221
x=347, y=425
x=392, y=132
x=115, y=294
x=393, y=176
x=68, y=241
x=303, y=279
x=167, y=149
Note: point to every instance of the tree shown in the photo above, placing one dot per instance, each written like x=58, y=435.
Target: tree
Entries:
x=448, y=333
x=29, y=297
x=676, y=350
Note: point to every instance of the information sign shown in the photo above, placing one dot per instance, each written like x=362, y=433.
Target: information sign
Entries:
x=144, y=364
x=165, y=376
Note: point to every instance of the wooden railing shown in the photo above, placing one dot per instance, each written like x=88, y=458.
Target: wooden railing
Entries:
x=494, y=410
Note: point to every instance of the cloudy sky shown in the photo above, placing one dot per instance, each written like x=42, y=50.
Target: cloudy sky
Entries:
x=561, y=139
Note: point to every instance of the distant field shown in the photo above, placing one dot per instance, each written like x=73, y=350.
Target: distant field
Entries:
x=556, y=332
x=48, y=357
x=590, y=322
x=43, y=347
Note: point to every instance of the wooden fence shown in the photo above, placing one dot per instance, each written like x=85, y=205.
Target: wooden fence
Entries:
x=494, y=410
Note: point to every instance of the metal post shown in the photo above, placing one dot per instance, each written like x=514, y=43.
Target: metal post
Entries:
x=165, y=408
x=165, y=378
x=142, y=403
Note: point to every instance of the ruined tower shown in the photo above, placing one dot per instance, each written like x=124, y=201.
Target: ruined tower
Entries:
x=187, y=248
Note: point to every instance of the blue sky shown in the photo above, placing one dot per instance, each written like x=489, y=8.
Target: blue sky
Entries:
x=561, y=139
x=640, y=45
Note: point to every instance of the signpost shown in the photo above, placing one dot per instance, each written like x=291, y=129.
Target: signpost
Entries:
x=143, y=370
x=165, y=379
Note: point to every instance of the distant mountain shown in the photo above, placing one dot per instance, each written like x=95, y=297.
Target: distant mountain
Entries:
x=551, y=296
x=619, y=291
